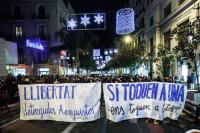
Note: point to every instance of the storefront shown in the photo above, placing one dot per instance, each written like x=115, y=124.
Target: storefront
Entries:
x=43, y=71
x=19, y=69
x=142, y=70
x=67, y=71
x=183, y=71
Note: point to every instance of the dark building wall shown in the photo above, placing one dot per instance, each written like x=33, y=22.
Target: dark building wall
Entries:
x=31, y=25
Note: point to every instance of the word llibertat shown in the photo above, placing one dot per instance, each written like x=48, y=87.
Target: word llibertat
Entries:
x=42, y=92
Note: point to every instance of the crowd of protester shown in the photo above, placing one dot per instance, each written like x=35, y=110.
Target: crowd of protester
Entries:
x=49, y=79
x=8, y=84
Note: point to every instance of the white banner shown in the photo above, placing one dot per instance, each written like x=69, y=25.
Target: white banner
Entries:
x=70, y=102
x=154, y=100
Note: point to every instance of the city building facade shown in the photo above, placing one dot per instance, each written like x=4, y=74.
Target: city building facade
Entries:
x=8, y=57
x=35, y=26
x=155, y=20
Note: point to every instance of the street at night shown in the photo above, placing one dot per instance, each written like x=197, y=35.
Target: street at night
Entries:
x=185, y=123
x=99, y=66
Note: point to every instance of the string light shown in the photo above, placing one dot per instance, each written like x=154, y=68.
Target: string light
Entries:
x=86, y=21
x=125, y=21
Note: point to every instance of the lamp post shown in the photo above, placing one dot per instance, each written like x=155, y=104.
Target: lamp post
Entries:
x=127, y=39
x=129, y=45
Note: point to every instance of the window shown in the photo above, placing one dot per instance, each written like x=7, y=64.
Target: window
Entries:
x=42, y=31
x=136, y=3
x=141, y=23
x=184, y=26
x=41, y=12
x=151, y=21
x=20, y=55
x=151, y=45
x=181, y=1
x=17, y=12
x=167, y=40
x=167, y=10
x=183, y=32
x=18, y=31
x=139, y=39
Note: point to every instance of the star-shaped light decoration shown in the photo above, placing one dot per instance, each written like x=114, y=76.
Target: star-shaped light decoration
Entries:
x=85, y=20
x=72, y=24
x=98, y=19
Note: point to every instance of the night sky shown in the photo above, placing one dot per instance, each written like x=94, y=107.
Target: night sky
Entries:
x=107, y=6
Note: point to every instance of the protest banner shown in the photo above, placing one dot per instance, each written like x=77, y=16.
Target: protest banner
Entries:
x=154, y=100
x=70, y=102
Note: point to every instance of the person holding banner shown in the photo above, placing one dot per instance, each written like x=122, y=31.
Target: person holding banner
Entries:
x=191, y=81
x=154, y=100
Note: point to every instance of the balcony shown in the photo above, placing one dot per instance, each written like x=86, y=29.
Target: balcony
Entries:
x=36, y=16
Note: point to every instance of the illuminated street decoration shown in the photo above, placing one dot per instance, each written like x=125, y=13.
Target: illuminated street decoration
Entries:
x=96, y=52
x=86, y=21
x=125, y=21
x=127, y=39
x=98, y=18
x=36, y=45
x=63, y=53
x=72, y=23
x=115, y=51
x=106, y=52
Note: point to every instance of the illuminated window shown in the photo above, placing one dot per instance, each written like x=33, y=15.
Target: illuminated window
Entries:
x=42, y=31
x=18, y=31
x=184, y=71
